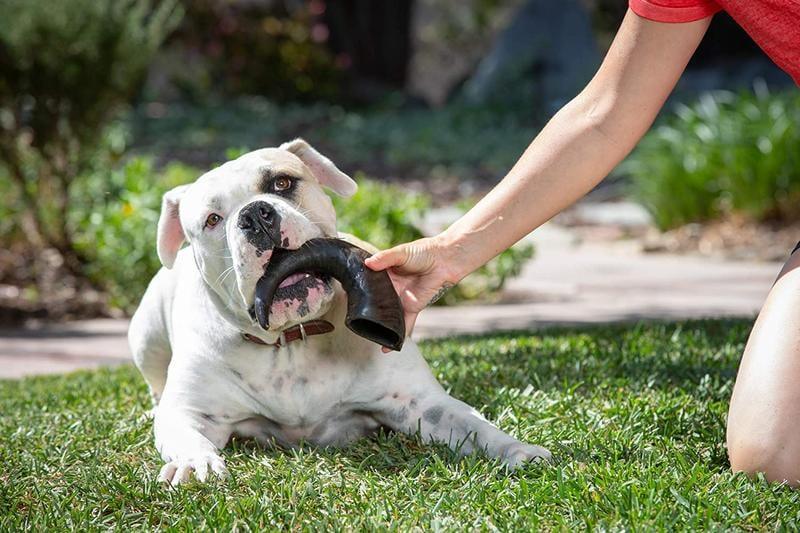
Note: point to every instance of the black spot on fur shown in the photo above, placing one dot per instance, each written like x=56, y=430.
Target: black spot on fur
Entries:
x=267, y=185
x=433, y=414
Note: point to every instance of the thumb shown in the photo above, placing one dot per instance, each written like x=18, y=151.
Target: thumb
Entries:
x=387, y=258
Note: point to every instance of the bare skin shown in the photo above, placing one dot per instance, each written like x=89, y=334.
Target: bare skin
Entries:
x=763, y=434
x=580, y=145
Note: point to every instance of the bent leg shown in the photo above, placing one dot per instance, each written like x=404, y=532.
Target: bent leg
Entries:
x=189, y=444
x=764, y=415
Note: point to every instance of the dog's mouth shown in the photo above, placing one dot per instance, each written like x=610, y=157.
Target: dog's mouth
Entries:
x=298, y=287
x=374, y=310
x=296, y=297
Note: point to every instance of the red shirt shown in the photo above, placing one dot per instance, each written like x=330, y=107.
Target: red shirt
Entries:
x=773, y=24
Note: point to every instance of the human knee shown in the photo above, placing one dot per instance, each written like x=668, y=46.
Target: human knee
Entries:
x=777, y=458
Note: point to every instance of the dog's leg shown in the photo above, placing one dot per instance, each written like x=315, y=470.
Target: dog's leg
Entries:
x=440, y=417
x=188, y=442
x=152, y=361
x=148, y=337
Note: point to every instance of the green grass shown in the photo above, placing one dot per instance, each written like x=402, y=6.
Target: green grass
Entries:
x=634, y=414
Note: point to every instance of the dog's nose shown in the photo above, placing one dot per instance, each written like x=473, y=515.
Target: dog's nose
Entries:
x=261, y=223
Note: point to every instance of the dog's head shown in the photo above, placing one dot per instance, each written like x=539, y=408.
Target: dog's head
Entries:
x=235, y=216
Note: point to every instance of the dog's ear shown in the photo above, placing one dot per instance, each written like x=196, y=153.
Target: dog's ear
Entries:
x=322, y=168
x=170, y=231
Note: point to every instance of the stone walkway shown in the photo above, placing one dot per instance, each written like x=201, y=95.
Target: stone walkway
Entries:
x=566, y=283
x=57, y=348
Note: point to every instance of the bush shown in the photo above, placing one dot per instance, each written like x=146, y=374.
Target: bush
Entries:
x=65, y=69
x=727, y=153
x=469, y=141
x=395, y=139
x=116, y=220
x=386, y=215
x=383, y=215
x=275, y=49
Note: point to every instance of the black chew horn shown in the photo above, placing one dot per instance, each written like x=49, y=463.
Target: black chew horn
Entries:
x=374, y=310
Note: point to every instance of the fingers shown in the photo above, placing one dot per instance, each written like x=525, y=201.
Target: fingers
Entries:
x=384, y=259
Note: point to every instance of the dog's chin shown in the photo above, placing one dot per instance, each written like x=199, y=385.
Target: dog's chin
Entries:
x=299, y=298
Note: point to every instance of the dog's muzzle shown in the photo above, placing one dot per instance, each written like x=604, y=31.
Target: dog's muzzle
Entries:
x=261, y=225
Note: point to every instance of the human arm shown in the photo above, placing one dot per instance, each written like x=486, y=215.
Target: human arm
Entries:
x=580, y=145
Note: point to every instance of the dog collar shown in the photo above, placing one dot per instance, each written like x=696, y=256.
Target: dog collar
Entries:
x=300, y=331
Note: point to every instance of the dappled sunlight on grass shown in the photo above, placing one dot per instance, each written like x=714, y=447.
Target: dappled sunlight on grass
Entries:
x=635, y=416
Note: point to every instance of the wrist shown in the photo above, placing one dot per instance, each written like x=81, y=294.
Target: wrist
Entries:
x=451, y=249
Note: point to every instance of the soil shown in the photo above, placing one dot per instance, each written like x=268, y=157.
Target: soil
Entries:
x=35, y=286
x=734, y=238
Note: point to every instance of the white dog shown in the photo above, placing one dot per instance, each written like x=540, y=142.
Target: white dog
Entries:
x=214, y=373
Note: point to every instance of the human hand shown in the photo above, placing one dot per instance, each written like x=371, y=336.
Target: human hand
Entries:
x=421, y=271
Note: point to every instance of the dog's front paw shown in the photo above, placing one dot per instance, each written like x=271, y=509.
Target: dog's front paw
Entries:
x=520, y=453
x=180, y=471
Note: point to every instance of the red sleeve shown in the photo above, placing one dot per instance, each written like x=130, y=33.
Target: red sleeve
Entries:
x=674, y=10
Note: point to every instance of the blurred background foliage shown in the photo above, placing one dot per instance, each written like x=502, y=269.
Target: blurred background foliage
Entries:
x=105, y=104
x=66, y=68
x=724, y=154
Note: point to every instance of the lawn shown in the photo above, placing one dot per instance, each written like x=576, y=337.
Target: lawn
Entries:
x=634, y=414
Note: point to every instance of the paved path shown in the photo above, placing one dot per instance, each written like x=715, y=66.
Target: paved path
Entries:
x=598, y=284
x=56, y=348
x=565, y=283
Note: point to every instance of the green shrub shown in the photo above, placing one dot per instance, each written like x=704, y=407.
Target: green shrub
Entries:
x=383, y=215
x=65, y=69
x=386, y=215
x=266, y=48
x=727, y=153
x=115, y=214
x=465, y=140
x=459, y=140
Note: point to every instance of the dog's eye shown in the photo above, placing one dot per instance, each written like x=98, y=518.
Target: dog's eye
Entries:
x=281, y=184
x=212, y=220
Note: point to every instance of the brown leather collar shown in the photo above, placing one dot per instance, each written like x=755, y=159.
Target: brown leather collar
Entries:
x=300, y=331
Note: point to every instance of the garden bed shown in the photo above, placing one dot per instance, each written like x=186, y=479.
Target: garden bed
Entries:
x=732, y=238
